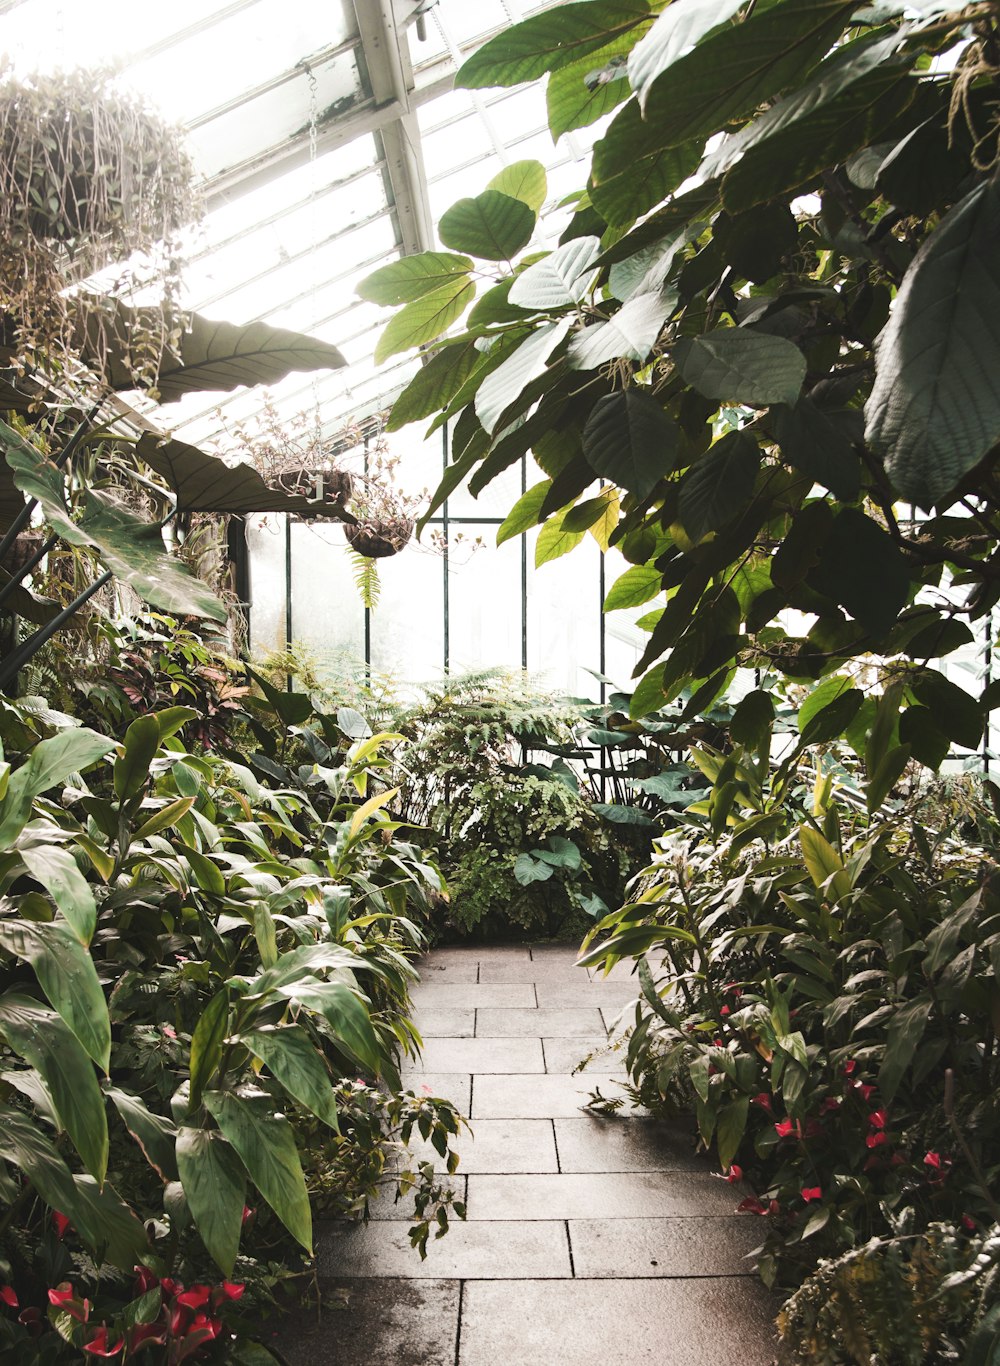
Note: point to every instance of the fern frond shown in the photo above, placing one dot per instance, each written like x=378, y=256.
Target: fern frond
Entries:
x=366, y=580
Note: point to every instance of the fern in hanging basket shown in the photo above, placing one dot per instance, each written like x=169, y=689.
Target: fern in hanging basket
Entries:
x=90, y=178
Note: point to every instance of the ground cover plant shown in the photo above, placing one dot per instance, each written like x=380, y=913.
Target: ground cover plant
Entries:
x=204, y=997
x=758, y=362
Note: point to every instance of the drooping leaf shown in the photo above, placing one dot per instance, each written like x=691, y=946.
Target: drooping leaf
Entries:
x=752, y=718
x=215, y=1188
x=425, y=318
x=42, y=1038
x=435, y=383
x=155, y=1134
x=861, y=567
x=57, y=870
x=411, y=277
x=934, y=411
x=266, y=1145
x=525, y=512
x=955, y=711
x=813, y=442
x=293, y=1059
x=885, y=777
x=492, y=226
x=734, y=365
x=558, y=279
x=636, y=586
x=648, y=695
x=207, y=1044
x=629, y=440
x=523, y=180
x=49, y=765
x=578, y=95
x=142, y=740
x=629, y=334
x=826, y=868
x=718, y=485
x=553, y=541
x=546, y=42
x=347, y=1017
x=637, y=164
x=905, y=1031
x=67, y=975
x=676, y=33
x=508, y=381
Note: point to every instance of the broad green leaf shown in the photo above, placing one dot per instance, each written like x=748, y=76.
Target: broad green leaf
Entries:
x=636, y=586
x=49, y=765
x=906, y=1029
x=66, y=973
x=559, y=279
x=525, y=512
x=621, y=815
x=215, y=1187
x=921, y=734
x=955, y=712
x=266, y=1144
x=528, y=870
x=346, y=1015
x=825, y=865
x=718, y=485
x=425, y=318
x=629, y=439
x=696, y=72
x=637, y=164
x=649, y=695
x=629, y=334
x=930, y=423
x=730, y=1128
x=597, y=515
x=155, y=1134
x=523, y=180
x=164, y=818
x=492, y=226
x=553, y=541
x=23, y=1143
x=294, y=1060
x=142, y=740
x=435, y=384
x=526, y=363
x=821, y=696
x=753, y=718
x=546, y=42
x=885, y=777
x=42, y=1038
x=861, y=567
x=370, y=808
x=734, y=365
x=206, y=874
x=812, y=442
x=57, y=870
x=577, y=96
x=646, y=270
x=207, y=1043
x=411, y=277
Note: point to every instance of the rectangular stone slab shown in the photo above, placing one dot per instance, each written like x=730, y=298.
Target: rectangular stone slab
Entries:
x=482, y=1250
x=448, y=1022
x=547, y=969
x=599, y=1195
x=501, y=1145
x=593, y=995
x=494, y=1022
x=625, y=1143
x=710, y=1322
x=480, y=1055
x=472, y=994
x=528, y=1096
x=665, y=1247
x=453, y=1086
x=565, y=1055
x=380, y=1322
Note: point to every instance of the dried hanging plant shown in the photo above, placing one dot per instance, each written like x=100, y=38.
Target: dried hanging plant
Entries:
x=90, y=181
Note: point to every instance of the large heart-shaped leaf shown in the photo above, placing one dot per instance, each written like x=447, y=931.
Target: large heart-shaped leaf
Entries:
x=734, y=365
x=523, y=180
x=492, y=226
x=934, y=410
x=630, y=440
x=718, y=485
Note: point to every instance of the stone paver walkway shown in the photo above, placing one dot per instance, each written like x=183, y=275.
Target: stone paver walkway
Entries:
x=589, y=1241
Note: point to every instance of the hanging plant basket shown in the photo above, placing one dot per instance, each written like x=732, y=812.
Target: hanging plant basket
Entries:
x=328, y=486
x=379, y=540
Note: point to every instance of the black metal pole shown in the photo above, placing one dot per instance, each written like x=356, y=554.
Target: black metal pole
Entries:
x=30, y=647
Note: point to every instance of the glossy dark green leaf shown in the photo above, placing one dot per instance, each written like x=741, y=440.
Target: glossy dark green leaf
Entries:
x=67, y=975
x=861, y=567
x=934, y=412
x=734, y=365
x=292, y=1057
x=813, y=442
x=630, y=440
x=347, y=1017
x=155, y=1134
x=546, y=42
x=57, y=870
x=215, y=1188
x=411, y=277
x=753, y=718
x=905, y=1031
x=142, y=740
x=955, y=712
x=266, y=1145
x=718, y=485
x=926, y=741
x=207, y=1043
x=637, y=164
x=492, y=226
x=42, y=1038
x=435, y=383
x=50, y=763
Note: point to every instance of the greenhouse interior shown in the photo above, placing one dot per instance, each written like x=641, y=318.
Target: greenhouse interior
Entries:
x=499, y=580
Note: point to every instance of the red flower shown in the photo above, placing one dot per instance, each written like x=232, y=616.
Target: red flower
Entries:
x=865, y=1089
x=850, y=1067
x=231, y=1291
x=830, y=1104
x=876, y=1138
x=249, y=1213
x=812, y=1193
x=735, y=1173
x=764, y=1101
x=61, y=1223
x=933, y=1160
x=98, y=1345
x=785, y=1128
x=147, y=1332
x=211, y=1327
x=145, y=1280
x=968, y=1224
x=773, y=1207
x=724, y=1010
x=64, y=1298
x=195, y=1298
x=31, y=1318
x=877, y=1118
x=9, y=1296
x=751, y=1205
x=170, y=1287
